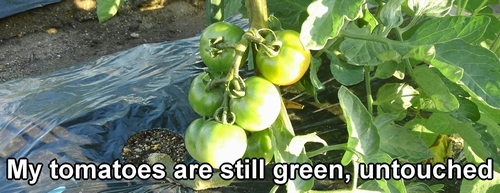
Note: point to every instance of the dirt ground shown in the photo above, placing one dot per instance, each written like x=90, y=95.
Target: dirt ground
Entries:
x=56, y=36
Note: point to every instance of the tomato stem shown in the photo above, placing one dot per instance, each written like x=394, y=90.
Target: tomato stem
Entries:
x=369, y=98
x=257, y=13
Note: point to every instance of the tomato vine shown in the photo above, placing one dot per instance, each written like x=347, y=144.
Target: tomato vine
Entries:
x=444, y=72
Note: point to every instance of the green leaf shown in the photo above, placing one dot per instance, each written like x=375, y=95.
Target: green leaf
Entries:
x=477, y=6
x=313, y=73
x=363, y=134
x=390, y=55
x=418, y=128
x=491, y=119
x=476, y=184
x=479, y=140
x=490, y=33
x=297, y=143
x=363, y=53
x=422, y=53
x=326, y=18
x=434, y=87
x=368, y=19
x=441, y=30
x=282, y=135
x=394, y=98
x=467, y=110
x=107, y=9
x=492, y=127
x=274, y=23
x=390, y=185
x=390, y=15
x=343, y=72
x=420, y=187
x=291, y=13
x=442, y=123
x=474, y=68
x=231, y=7
x=390, y=68
x=304, y=84
x=430, y=8
x=400, y=142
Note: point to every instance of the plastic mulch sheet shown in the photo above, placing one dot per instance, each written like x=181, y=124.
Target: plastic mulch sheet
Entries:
x=86, y=113
x=11, y=7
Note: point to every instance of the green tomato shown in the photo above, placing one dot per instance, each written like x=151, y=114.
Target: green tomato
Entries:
x=192, y=135
x=204, y=103
x=215, y=143
x=290, y=64
x=220, y=60
x=260, y=146
x=260, y=106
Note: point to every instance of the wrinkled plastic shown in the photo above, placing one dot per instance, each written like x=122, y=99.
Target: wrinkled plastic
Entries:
x=86, y=113
x=11, y=7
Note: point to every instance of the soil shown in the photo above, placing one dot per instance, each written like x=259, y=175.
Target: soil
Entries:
x=57, y=36
x=60, y=35
x=140, y=145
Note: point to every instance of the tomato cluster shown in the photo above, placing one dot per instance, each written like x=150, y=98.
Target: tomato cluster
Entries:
x=240, y=112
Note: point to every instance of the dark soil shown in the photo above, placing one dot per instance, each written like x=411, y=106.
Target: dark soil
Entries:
x=56, y=36
x=140, y=145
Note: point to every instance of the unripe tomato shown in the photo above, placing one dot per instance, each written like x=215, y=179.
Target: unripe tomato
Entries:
x=204, y=103
x=260, y=106
x=290, y=64
x=220, y=60
x=192, y=135
x=260, y=146
x=216, y=143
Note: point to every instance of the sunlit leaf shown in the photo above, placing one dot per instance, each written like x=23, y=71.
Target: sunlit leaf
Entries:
x=434, y=87
x=430, y=8
x=441, y=30
x=107, y=9
x=474, y=68
x=343, y=72
x=326, y=18
x=395, y=97
x=390, y=15
x=363, y=134
x=282, y=134
x=298, y=142
x=391, y=135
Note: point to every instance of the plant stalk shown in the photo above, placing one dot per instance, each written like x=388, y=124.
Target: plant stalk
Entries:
x=257, y=13
x=258, y=19
x=406, y=61
x=374, y=38
x=369, y=98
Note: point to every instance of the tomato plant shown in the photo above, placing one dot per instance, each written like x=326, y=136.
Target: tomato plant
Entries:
x=440, y=76
x=215, y=143
x=216, y=59
x=260, y=146
x=260, y=106
x=290, y=63
x=204, y=103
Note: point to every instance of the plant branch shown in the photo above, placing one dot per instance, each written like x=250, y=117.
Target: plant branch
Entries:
x=406, y=60
x=483, y=3
x=257, y=13
x=374, y=38
x=369, y=98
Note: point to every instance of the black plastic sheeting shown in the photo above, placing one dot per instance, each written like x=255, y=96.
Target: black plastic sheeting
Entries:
x=11, y=7
x=85, y=114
